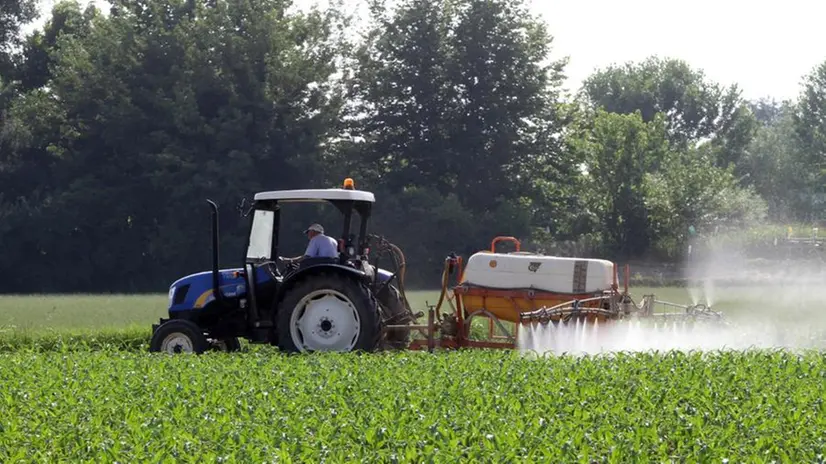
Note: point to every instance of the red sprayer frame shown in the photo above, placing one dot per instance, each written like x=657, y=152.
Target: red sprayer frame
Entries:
x=452, y=329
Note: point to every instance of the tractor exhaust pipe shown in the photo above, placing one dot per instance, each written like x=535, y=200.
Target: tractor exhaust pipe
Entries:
x=215, y=265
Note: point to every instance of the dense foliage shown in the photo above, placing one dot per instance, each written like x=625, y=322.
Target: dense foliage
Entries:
x=116, y=125
x=471, y=406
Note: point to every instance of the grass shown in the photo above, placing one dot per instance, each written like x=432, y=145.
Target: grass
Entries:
x=74, y=312
x=39, y=313
x=77, y=313
x=27, y=318
x=125, y=320
x=55, y=322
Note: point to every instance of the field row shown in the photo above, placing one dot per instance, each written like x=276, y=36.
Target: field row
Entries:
x=406, y=407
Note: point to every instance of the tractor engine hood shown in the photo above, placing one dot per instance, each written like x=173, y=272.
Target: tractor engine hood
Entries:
x=195, y=290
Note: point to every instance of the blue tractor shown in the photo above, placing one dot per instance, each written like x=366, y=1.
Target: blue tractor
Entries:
x=321, y=304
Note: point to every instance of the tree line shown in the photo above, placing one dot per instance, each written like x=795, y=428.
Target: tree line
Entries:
x=116, y=126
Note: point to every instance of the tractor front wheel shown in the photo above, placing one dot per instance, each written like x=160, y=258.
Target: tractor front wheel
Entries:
x=178, y=336
x=328, y=312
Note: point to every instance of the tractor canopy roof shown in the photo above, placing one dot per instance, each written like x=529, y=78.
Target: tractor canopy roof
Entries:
x=347, y=193
x=316, y=195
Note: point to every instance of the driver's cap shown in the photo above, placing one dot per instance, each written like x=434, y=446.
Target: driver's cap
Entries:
x=316, y=228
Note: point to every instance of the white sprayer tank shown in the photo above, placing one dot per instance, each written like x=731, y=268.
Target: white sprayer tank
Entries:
x=522, y=270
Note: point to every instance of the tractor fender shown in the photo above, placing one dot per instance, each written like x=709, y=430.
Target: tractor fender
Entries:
x=288, y=283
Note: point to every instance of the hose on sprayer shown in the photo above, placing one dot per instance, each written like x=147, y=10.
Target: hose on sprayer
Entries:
x=398, y=258
x=399, y=262
x=445, y=281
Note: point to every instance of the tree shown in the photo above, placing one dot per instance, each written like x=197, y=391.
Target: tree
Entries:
x=768, y=111
x=38, y=49
x=775, y=163
x=457, y=98
x=157, y=107
x=696, y=110
x=618, y=151
x=14, y=14
x=690, y=191
x=642, y=194
x=460, y=97
x=31, y=122
x=810, y=126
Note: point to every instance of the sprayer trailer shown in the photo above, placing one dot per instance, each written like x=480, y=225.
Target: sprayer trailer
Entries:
x=321, y=304
x=522, y=289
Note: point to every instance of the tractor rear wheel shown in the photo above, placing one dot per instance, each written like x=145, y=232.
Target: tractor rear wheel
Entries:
x=328, y=312
x=178, y=336
x=395, y=314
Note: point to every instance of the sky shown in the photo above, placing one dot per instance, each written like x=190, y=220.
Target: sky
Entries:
x=766, y=47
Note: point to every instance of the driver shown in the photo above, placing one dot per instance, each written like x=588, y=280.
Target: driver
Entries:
x=320, y=246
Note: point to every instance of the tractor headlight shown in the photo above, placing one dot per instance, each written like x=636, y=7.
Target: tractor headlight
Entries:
x=171, y=294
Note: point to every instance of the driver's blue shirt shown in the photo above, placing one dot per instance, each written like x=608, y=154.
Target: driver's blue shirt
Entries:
x=322, y=246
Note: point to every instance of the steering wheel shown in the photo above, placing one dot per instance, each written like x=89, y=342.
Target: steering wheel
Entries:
x=268, y=265
x=289, y=266
x=278, y=267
